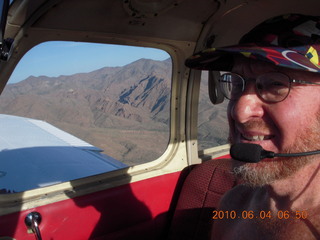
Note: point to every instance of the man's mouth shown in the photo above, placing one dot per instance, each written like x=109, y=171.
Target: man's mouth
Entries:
x=256, y=137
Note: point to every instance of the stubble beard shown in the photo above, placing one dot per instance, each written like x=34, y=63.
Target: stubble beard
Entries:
x=268, y=171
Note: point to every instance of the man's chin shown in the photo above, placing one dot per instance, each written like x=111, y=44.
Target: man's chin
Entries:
x=267, y=172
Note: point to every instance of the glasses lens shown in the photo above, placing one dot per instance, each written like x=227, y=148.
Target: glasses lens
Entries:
x=231, y=85
x=273, y=86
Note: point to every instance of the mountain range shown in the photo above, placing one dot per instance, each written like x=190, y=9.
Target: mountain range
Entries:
x=123, y=110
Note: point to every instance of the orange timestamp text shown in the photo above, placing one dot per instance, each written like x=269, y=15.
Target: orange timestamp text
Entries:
x=219, y=214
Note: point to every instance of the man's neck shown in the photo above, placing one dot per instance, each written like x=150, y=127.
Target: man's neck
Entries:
x=299, y=191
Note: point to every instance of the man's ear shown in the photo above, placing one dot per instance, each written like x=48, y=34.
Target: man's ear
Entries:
x=215, y=93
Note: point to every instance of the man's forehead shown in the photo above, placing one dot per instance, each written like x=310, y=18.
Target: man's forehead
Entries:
x=247, y=65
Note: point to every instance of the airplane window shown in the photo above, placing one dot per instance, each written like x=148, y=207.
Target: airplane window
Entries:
x=212, y=119
x=111, y=102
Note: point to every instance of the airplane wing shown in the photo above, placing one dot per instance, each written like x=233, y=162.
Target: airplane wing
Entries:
x=41, y=155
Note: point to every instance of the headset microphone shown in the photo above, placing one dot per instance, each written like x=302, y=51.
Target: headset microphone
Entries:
x=253, y=153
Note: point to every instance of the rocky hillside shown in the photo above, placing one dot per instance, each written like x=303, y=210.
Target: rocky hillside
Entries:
x=118, y=109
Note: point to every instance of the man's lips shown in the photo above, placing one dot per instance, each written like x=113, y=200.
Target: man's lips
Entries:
x=255, y=131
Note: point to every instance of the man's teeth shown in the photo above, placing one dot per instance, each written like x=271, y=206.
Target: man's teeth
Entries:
x=255, y=138
x=260, y=138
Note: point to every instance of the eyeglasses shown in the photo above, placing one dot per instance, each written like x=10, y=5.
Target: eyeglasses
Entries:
x=272, y=87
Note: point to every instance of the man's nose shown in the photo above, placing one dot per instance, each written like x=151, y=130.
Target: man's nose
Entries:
x=248, y=106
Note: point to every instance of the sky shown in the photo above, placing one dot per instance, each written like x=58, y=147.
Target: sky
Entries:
x=53, y=59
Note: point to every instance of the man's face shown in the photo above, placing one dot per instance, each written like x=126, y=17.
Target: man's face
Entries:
x=292, y=125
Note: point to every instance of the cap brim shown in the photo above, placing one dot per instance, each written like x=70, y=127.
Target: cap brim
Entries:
x=221, y=59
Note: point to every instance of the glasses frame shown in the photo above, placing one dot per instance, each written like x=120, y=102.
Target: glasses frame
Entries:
x=245, y=80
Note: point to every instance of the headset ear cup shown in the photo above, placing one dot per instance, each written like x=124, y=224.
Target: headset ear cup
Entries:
x=215, y=94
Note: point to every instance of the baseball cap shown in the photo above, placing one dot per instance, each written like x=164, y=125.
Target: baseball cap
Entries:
x=291, y=41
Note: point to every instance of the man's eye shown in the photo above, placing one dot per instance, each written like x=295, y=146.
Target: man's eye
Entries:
x=276, y=88
x=277, y=84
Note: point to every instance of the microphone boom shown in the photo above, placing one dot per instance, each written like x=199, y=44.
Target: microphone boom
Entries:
x=253, y=153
